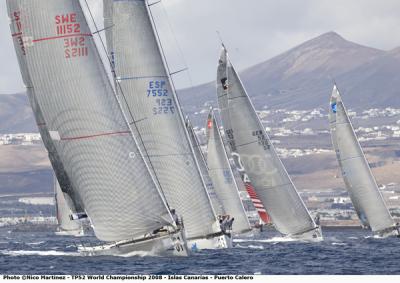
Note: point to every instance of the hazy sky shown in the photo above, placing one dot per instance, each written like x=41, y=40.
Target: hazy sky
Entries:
x=253, y=30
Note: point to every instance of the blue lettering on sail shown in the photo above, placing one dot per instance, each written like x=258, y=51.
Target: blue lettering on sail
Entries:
x=158, y=90
x=227, y=177
x=334, y=107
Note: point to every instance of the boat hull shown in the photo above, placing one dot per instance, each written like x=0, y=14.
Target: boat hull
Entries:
x=314, y=235
x=165, y=245
x=390, y=232
x=215, y=243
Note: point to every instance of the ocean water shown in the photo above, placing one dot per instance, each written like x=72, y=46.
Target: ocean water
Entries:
x=344, y=251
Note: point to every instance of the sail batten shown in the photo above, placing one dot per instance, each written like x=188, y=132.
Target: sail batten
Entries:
x=76, y=99
x=360, y=183
x=253, y=150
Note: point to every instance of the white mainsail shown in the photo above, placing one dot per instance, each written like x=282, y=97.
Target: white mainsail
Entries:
x=85, y=123
x=63, y=213
x=153, y=111
x=222, y=177
x=247, y=139
x=357, y=175
x=215, y=201
x=18, y=40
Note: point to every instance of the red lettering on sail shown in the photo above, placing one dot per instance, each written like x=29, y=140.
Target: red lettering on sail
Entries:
x=67, y=26
x=18, y=33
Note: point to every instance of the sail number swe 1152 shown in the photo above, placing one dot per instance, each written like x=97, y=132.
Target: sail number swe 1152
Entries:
x=68, y=26
x=163, y=104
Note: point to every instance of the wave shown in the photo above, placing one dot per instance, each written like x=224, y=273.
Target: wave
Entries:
x=255, y=247
x=271, y=240
x=36, y=243
x=41, y=253
x=339, y=244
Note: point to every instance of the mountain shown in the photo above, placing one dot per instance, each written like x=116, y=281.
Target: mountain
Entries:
x=15, y=114
x=302, y=77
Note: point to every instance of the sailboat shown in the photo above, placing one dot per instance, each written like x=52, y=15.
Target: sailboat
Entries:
x=215, y=201
x=249, y=141
x=223, y=179
x=66, y=225
x=151, y=105
x=360, y=183
x=90, y=137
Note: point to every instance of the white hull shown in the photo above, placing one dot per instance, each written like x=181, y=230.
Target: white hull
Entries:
x=314, y=235
x=218, y=242
x=390, y=232
x=163, y=245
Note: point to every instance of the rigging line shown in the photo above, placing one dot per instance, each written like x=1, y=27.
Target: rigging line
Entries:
x=154, y=3
x=103, y=29
x=146, y=160
x=179, y=71
x=177, y=44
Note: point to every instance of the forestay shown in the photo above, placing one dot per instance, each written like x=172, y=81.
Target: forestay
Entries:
x=89, y=132
x=153, y=111
x=356, y=172
x=247, y=137
x=222, y=177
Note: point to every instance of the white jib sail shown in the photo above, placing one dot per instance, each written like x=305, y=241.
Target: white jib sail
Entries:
x=222, y=177
x=64, y=211
x=357, y=175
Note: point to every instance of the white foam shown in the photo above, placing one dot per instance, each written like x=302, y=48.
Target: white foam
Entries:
x=41, y=253
x=378, y=237
x=339, y=244
x=36, y=243
x=256, y=247
x=137, y=253
x=259, y=247
x=272, y=240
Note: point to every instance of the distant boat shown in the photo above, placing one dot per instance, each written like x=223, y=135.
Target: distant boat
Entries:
x=360, y=183
x=215, y=200
x=223, y=179
x=91, y=138
x=249, y=142
x=151, y=106
x=66, y=225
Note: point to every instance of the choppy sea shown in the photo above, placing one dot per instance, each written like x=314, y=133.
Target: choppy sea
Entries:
x=344, y=251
